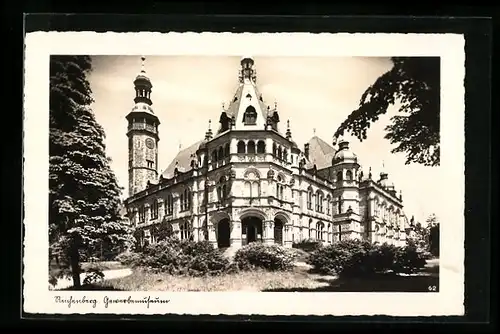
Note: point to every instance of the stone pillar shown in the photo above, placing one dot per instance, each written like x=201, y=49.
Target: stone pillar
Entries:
x=147, y=213
x=288, y=236
x=135, y=216
x=196, y=228
x=268, y=231
x=212, y=237
x=161, y=208
x=235, y=238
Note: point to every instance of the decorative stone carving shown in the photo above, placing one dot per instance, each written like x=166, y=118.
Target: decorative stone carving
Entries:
x=232, y=174
x=270, y=174
x=292, y=182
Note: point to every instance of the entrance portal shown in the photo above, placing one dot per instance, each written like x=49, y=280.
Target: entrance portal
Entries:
x=251, y=230
x=278, y=231
x=223, y=233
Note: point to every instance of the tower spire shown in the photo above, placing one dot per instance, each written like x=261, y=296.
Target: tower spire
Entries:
x=208, y=134
x=143, y=86
x=143, y=60
x=288, y=131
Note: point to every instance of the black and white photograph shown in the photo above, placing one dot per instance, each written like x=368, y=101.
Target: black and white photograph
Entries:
x=280, y=174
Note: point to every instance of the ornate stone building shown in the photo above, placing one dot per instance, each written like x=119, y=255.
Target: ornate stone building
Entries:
x=248, y=181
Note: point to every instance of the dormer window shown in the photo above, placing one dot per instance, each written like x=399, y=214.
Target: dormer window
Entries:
x=250, y=116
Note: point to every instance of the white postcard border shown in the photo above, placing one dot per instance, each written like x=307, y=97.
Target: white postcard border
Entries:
x=450, y=47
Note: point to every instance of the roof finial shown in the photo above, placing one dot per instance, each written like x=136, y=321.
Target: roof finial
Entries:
x=314, y=131
x=223, y=106
x=275, y=104
x=288, y=131
x=208, y=134
x=143, y=59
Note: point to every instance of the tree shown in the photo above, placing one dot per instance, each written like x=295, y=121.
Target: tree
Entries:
x=413, y=83
x=433, y=233
x=84, y=195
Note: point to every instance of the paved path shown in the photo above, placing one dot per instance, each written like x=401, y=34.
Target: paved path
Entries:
x=64, y=283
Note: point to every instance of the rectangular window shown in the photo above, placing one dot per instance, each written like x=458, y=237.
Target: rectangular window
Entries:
x=154, y=210
x=142, y=214
x=169, y=205
x=150, y=163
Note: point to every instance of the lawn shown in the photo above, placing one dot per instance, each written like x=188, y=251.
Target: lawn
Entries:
x=298, y=280
x=258, y=280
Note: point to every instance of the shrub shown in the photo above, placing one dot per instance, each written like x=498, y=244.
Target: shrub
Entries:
x=184, y=258
x=128, y=258
x=269, y=257
x=409, y=260
x=360, y=258
x=308, y=245
x=345, y=258
x=381, y=257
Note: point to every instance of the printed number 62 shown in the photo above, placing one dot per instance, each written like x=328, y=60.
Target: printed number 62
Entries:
x=432, y=288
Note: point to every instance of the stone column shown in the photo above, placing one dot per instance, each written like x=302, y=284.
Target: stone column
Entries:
x=235, y=238
x=161, y=208
x=147, y=213
x=196, y=228
x=135, y=216
x=288, y=236
x=268, y=232
x=212, y=237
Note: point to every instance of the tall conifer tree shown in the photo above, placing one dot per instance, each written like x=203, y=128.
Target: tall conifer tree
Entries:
x=84, y=195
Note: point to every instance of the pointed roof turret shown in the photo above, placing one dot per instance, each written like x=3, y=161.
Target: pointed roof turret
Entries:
x=247, y=107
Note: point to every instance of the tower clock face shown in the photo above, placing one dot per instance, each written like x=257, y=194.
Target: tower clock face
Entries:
x=150, y=143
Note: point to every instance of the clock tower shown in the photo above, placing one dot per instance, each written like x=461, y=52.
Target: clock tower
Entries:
x=142, y=133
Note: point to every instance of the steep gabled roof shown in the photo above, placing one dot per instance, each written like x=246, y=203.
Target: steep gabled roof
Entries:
x=182, y=160
x=320, y=153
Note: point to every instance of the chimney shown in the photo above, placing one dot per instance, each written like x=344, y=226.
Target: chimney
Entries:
x=306, y=150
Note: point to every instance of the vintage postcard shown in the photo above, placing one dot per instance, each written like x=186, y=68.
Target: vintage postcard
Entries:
x=250, y=174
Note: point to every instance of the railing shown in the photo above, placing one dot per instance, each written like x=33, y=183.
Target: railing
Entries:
x=142, y=126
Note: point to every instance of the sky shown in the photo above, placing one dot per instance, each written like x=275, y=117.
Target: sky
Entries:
x=315, y=93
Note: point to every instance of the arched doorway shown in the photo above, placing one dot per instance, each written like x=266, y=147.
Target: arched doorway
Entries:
x=223, y=233
x=251, y=230
x=278, y=231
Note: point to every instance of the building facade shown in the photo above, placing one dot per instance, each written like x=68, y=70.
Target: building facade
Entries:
x=247, y=181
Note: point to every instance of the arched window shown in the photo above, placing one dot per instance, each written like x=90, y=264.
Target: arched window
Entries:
x=214, y=155
x=309, y=198
x=320, y=231
x=339, y=205
x=328, y=204
x=280, y=153
x=220, y=153
x=285, y=155
x=250, y=116
x=261, y=147
x=275, y=149
x=226, y=150
x=222, y=190
x=251, y=147
x=348, y=175
x=241, y=147
x=310, y=229
x=319, y=201
x=279, y=188
x=329, y=233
